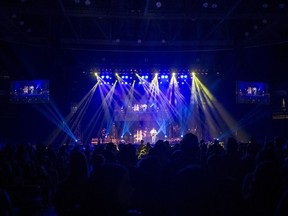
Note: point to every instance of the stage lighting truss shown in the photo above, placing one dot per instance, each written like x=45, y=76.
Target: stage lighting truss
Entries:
x=141, y=76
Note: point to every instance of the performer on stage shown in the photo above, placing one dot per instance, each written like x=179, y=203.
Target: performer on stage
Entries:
x=103, y=135
x=153, y=134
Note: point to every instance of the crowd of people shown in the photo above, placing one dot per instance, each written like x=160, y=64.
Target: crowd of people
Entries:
x=191, y=177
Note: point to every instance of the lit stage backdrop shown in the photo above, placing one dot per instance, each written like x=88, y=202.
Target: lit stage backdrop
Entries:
x=127, y=106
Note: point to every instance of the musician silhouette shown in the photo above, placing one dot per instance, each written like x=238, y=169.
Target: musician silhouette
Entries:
x=103, y=135
x=153, y=134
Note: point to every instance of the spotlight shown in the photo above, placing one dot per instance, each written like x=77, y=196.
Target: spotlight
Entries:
x=102, y=77
x=166, y=77
x=107, y=77
x=96, y=74
x=214, y=6
x=162, y=76
x=158, y=4
x=146, y=77
x=87, y=2
x=265, y=5
x=205, y=4
x=281, y=5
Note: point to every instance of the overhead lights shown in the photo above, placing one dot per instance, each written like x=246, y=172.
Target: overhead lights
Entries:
x=281, y=5
x=264, y=21
x=205, y=4
x=158, y=4
x=265, y=5
x=87, y=2
x=214, y=6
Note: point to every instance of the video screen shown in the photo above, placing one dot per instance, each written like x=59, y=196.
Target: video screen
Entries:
x=252, y=92
x=29, y=91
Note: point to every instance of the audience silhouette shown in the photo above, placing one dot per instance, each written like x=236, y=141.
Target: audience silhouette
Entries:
x=190, y=177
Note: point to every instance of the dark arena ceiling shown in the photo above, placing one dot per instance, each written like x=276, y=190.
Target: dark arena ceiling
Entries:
x=145, y=24
x=84, y=34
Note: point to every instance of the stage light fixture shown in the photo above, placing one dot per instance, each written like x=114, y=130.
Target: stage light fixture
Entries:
x=102, y=77
x=158, y=4
x=107, y=77
x=87, y=2
x=205, y=4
